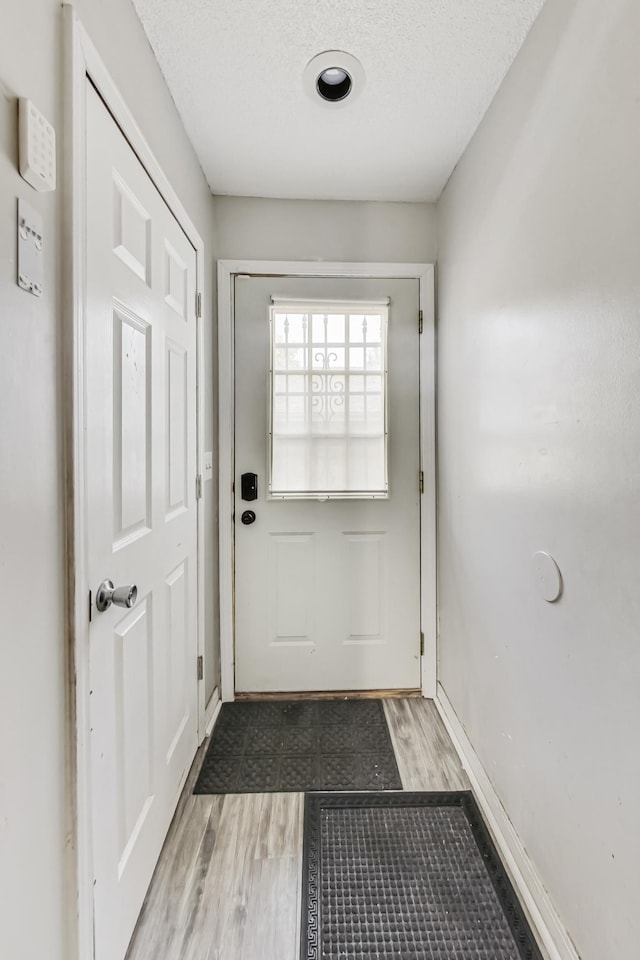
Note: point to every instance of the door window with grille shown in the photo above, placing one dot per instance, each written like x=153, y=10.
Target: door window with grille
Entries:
x=328, y=409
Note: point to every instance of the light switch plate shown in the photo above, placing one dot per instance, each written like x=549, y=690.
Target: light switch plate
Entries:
x=30, y=249
x=37, y=147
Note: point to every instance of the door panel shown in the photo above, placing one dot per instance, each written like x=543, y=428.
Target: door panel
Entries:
x=141, y=464
x=177, y=428
x=366, y=565
x=178, y=686
x=134, y=724
x=131, y=229
x=131, y=424
x=291, y=590
x=326, y=590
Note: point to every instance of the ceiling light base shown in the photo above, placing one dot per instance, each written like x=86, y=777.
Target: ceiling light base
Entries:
x=333, y=78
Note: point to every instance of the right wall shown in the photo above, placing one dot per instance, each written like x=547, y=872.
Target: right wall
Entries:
x=539, y=449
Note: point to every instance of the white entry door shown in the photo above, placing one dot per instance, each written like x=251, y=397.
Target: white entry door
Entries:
x=140, y=383
x=327, y=575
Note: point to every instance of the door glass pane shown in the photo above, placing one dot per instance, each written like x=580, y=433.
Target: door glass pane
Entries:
x=328, y=404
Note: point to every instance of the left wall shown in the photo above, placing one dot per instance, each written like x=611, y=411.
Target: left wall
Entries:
x=36, y=843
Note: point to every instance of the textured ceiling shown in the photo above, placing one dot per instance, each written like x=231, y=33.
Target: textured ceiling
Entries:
x=432, y=67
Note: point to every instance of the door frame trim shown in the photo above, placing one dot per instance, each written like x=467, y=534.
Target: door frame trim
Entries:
x=83, y=63
x=425, y=274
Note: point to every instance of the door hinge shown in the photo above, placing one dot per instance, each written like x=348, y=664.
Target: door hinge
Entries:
x=421, y=481
x=90, y=605
x=198, y=304
x=421, y=644
x=200, y=668
x=199, y=487
x=420, y=321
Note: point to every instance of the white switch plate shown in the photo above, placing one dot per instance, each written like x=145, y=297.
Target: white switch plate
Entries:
x=208, y=466
x=37, y=148
x=30, y=249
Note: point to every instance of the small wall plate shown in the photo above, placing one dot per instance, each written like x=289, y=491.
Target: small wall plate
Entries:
x=30, y=249
x=548, y=576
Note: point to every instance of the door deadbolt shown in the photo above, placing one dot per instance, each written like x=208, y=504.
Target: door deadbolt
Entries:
x=120, y=596
x=248, y=517
x=249, y=486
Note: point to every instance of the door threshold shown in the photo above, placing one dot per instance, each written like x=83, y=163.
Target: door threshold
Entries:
x=333, y=695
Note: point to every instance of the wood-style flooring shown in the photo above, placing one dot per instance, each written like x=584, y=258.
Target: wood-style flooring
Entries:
x=227, y=884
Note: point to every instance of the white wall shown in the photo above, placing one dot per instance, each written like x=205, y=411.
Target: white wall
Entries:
x=539, y=446
x=35, y=844
x=338, y=230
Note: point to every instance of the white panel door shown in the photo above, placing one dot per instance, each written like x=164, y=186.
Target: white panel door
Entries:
x=141, y=467
x=327, y=586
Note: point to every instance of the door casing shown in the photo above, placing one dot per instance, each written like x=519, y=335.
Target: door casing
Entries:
x=424, y=273
x=83, y=64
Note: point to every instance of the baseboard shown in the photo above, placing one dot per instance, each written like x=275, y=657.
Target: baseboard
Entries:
x=553, y=939
x=394, y=694
x=212, y=711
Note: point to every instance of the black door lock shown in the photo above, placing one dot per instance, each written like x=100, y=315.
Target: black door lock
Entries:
x=248, y=517
x=249, y=486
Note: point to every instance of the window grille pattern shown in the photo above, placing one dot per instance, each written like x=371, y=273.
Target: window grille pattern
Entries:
x=328, y=428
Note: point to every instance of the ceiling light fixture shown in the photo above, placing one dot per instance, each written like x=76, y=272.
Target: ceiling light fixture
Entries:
x=334, y=84
x=333, y=76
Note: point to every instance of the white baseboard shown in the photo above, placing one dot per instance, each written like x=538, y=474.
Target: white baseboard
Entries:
x=552, y=937
x=212, y=711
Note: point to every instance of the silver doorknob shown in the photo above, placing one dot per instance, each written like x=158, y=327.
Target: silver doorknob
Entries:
x=121, y=596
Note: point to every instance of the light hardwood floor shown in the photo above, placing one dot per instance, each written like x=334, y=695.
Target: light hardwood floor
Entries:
x=227, y=885
x=425, y=756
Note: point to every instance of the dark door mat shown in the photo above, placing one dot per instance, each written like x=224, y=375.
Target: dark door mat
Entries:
x=408, y=876
x=299, y=745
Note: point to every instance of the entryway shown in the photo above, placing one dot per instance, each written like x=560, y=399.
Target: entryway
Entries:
x=328, y=485
x=228, y=883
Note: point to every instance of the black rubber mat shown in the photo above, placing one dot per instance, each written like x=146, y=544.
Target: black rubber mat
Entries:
x=299, y=745
x=408, y=876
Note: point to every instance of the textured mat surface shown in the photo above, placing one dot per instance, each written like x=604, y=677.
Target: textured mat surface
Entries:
x=406, y=875
x=293, y=745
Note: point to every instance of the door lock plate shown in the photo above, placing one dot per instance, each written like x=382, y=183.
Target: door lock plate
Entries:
x=249, y=486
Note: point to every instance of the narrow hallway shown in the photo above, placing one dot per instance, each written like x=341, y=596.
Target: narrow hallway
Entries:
x=184, y=186
x=228, y=882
